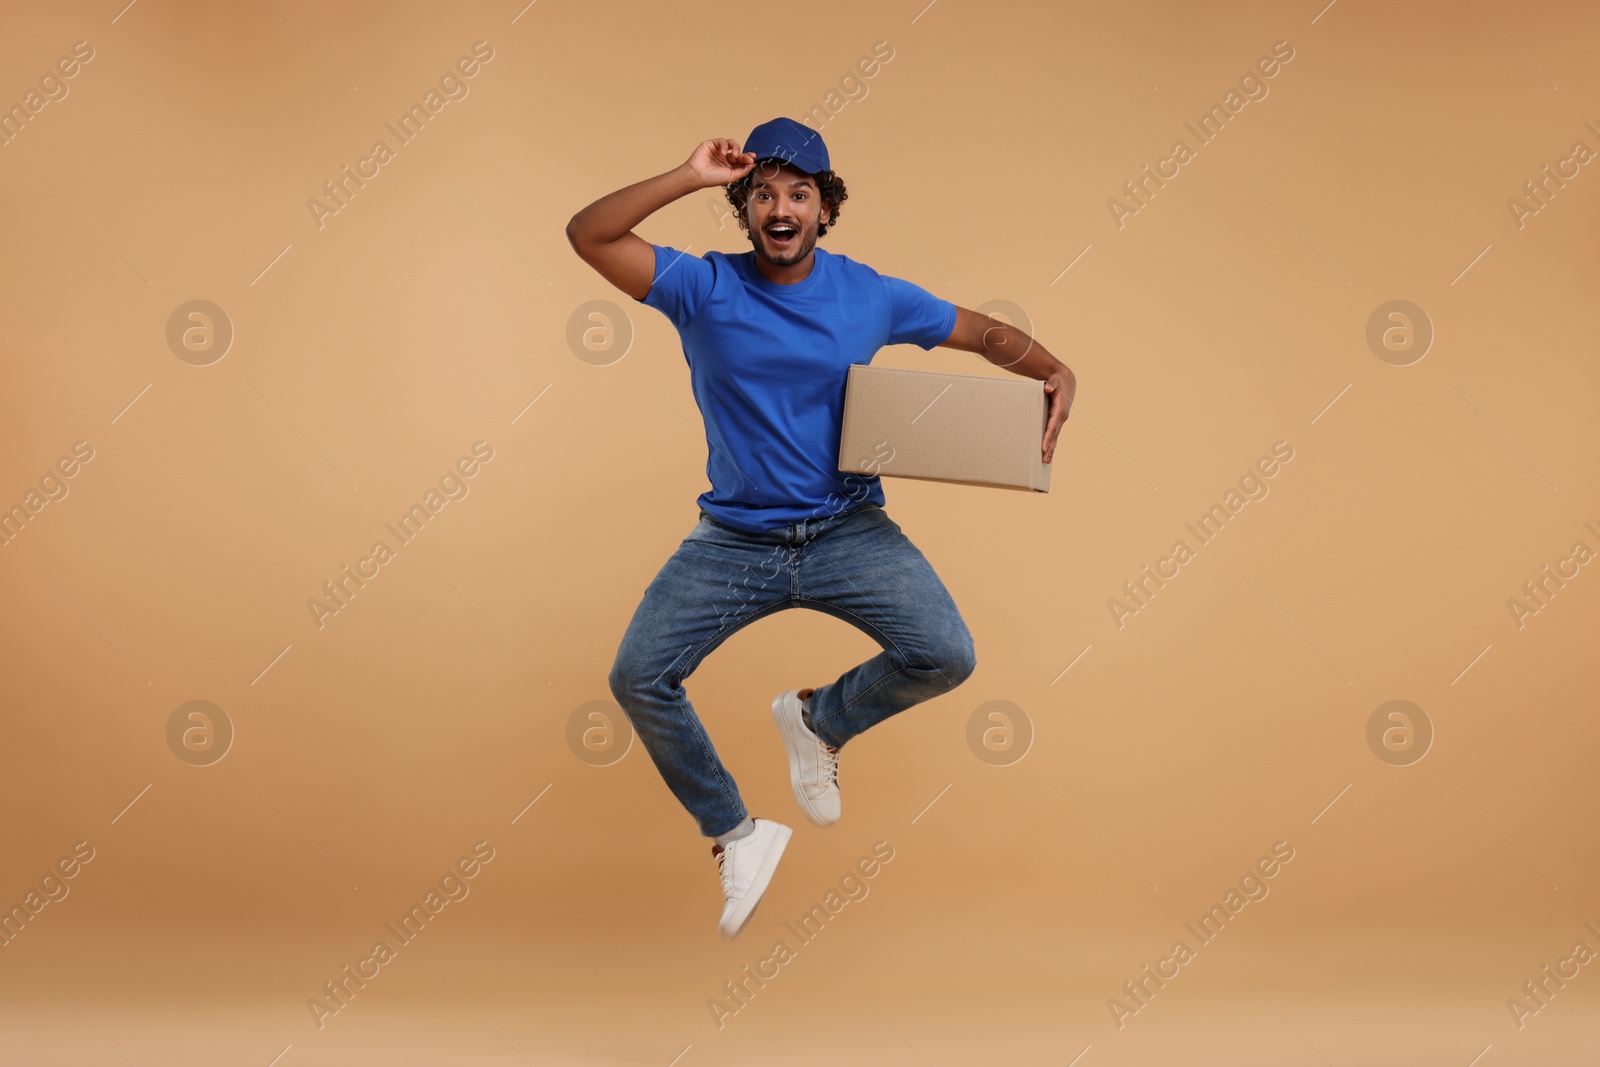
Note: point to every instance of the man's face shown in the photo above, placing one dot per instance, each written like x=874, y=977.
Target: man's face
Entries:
x=781, y=196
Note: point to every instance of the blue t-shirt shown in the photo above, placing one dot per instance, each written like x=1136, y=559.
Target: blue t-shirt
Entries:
x=768, y=363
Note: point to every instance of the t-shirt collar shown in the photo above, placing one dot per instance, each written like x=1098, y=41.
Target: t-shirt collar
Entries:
x=818, y=256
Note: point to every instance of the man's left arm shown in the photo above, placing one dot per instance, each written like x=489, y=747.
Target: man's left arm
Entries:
x=1006, y=346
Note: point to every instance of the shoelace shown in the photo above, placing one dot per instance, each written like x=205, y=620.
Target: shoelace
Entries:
x=830, y=762
x=826, y=754
x=727, y=869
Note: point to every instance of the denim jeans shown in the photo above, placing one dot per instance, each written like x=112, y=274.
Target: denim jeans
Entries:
x=856, y=565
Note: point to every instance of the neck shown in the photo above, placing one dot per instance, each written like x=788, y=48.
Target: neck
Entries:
x=789, y=273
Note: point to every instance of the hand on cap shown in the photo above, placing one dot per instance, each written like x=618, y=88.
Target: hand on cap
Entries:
x=719, y=162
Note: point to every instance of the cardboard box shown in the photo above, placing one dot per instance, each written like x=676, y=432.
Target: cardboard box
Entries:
x=964, y=428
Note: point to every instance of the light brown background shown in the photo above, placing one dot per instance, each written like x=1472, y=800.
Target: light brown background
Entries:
x=427, y=715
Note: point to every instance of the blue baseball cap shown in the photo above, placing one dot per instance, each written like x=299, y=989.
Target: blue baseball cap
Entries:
x=791, y=142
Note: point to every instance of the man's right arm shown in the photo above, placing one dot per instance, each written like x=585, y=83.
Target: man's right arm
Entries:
x=602, y=233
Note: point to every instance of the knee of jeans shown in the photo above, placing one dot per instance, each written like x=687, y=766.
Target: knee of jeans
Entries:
x=635, y=680
x=957, y=661
x=624, y=683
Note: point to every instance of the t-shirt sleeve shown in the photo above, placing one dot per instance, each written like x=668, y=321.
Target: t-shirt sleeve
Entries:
x=680, y=286
x=916, y=316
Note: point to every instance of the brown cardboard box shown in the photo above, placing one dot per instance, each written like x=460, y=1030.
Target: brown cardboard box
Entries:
x=965, y=428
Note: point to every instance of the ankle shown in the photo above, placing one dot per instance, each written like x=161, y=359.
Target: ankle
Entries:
x=744, y=829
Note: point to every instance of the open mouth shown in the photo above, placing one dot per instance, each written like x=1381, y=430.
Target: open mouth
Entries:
x=783, y=235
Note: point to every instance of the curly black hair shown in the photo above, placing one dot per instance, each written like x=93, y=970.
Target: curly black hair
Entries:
x=829, y=186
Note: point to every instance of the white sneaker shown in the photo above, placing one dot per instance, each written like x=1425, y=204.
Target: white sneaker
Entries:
x=747, y=865
x=813, y=765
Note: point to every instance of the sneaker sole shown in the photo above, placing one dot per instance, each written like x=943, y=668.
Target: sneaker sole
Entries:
x=786, y=710
x=763, y=878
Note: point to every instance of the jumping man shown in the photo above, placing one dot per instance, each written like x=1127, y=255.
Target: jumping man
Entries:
x=769, y=336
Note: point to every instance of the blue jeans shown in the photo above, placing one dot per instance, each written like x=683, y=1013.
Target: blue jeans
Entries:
x=856, y=565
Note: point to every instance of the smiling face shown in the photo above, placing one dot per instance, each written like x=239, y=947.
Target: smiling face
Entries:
x=785, y=209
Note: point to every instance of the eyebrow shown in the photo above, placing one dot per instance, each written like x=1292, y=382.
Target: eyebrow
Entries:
x=798, y=182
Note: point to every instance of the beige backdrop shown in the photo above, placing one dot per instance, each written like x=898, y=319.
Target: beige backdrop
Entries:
x=1045, y=850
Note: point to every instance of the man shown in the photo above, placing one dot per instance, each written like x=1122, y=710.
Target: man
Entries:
x=769, y=336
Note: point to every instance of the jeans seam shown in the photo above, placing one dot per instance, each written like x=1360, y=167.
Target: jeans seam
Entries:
x=710, y=754
x=704, y=739
x=856, y=615
x=710, y=642
x=904, y=660
x=846, y=611
x=846, y=707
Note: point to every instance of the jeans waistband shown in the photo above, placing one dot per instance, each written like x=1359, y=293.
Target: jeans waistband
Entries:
x=795, y=533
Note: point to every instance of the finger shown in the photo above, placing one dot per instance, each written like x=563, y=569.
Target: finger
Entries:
x=1053, y=427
